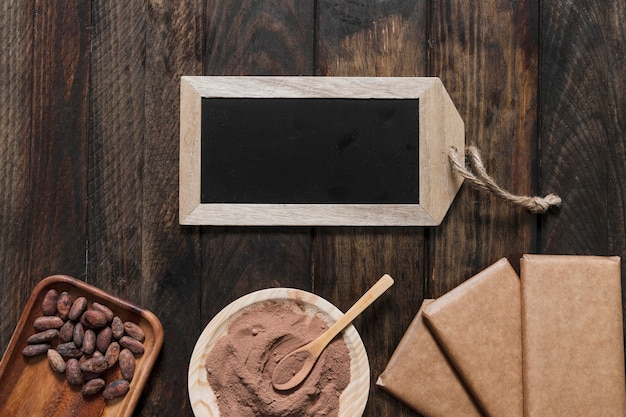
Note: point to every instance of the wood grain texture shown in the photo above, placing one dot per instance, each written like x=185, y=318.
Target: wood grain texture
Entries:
x=583, y=149
x=259, y=38
x=16, y=68
x=487, y=59
x=170, y=255
x=116, y=147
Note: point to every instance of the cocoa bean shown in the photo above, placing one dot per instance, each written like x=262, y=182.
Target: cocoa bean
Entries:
x=103, y=340
x=47, y=322
x=49, y=303
x=66, y=332
x=93, y=319
x=108, y=313
x=117, y=327
x=95, y=365
x=64, y=304
x=132, y=344
x=93, y=387
x=97, y=354
x=78, y=308
x=89, y=342
x=72, y=372
x=116, y=389
x=69, y=350
x=134, y=331
x=112, y=354
x=36, y=350
x=79, y=334
x=43, y=337
x=56, y=361
x=88, y=376
x=126, y=363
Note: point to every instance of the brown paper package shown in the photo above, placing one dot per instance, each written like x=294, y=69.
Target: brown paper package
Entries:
x=420, y=375
x=478, y=324
x=572, y=336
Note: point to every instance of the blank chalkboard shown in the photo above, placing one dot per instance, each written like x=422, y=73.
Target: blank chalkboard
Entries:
x=309, y=150
x=318, y=151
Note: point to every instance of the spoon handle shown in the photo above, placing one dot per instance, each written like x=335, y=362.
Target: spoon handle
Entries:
x=366, y=299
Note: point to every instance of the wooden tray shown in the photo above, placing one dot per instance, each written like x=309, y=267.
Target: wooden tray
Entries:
x=29, y=387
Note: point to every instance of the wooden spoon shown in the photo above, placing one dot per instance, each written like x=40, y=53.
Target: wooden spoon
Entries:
x=296, y=366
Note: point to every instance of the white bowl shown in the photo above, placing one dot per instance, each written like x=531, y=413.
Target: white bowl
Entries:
x=351, y=402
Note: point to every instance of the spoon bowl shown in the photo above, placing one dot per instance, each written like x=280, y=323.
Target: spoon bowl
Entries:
x=292, y=369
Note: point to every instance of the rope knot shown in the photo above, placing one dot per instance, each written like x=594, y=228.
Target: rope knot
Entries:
x=475, y=173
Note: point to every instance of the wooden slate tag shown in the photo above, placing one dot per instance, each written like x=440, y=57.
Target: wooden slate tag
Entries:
x=317, y=151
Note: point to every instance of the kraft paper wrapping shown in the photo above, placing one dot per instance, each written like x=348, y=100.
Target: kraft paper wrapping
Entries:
x=478, y=324
x=572, y=336
x=420, y=375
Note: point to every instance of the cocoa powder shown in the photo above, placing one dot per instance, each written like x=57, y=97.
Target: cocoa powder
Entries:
x=240, y=365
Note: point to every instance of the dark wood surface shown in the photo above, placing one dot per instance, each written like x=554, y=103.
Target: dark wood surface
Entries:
x=89, y=153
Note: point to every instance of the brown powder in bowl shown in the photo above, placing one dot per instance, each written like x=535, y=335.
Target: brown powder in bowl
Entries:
x=240, y=365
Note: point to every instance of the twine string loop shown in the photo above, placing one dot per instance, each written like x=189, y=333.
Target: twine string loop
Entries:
x=475, y=173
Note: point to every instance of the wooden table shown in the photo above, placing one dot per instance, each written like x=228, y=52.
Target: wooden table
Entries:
x=89, y=153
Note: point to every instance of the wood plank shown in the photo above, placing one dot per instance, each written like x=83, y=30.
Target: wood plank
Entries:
x=46, y=111
x=583, y=144
x=116, y=148
x=170, y=254
x=487, y=57
x=16, y=76
x=373, y=39
x=255, y=38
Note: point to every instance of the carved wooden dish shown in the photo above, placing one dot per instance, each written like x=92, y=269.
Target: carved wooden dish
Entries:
x=203, y=400
x=30, y=387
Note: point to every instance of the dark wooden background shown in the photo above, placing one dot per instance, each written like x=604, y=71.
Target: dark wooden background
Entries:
x=89, y=99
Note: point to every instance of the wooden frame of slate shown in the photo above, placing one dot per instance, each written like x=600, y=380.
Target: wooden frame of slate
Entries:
x=316, y=151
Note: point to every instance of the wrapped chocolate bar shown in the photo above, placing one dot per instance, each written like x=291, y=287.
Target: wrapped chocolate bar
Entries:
x=420, y=375
x=478, y=324
x=572, y=336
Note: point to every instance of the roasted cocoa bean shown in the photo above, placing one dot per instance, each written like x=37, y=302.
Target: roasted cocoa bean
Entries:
x=72, y=372
x=112, y=354
x=47, y=322
x=49, y=303
x=69, y=350
x=36, y=350
x=43, y=337
x=117, y=327
x=134, y=331
x=108, y=313
x=66, y=332
x=93, y=387
x=78, y=308
x=57, y=363
x=132, y=344
x=116, y=389
x=103, y=340
x=64, y=304
x=89, y=342
x=79, y=335
x=95, y=365
x=93, y=319
x=126, y=363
